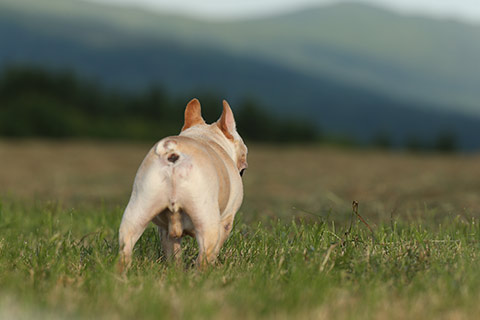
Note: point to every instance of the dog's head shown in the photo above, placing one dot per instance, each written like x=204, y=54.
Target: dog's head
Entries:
x=225, y=126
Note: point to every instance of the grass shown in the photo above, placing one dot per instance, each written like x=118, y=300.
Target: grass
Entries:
x=322, y=181
x=58, y=243
x=61, y=263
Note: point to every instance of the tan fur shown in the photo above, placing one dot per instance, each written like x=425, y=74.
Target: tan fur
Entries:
x=193, y=114
x=226, y=121
x=188, y=185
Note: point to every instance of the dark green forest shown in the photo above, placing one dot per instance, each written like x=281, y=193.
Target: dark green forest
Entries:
x=37, y=103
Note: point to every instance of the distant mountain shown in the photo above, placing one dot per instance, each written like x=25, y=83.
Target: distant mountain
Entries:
x=343, y=66
x=423, y=59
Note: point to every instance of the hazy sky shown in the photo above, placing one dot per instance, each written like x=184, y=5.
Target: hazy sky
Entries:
x=463, y=9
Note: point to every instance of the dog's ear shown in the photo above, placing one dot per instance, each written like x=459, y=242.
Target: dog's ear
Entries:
x=193, y=114
x=226, y=123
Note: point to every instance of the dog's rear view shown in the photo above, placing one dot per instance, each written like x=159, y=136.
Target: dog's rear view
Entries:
x=188, y=184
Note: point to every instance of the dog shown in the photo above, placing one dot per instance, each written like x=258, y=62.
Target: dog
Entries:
x=188, y=184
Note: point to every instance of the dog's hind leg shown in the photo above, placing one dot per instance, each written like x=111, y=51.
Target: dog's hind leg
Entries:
x=207, y=233
x=129, y=234
x=138, y=214
x=226, y=226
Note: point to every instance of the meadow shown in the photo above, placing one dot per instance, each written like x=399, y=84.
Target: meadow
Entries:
x=297, y=249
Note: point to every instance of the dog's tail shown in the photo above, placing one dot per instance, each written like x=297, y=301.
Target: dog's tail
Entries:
x=168, y=150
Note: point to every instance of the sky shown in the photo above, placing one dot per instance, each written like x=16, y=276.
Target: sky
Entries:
x=467, y=10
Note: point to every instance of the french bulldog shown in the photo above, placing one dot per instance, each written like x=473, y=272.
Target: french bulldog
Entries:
x=188, y=184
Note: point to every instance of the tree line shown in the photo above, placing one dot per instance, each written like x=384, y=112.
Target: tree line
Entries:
x=38, y=103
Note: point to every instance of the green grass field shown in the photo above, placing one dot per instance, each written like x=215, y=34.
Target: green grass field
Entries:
x=59, y=222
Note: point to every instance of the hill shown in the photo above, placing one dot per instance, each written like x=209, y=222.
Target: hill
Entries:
x=299, y=63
